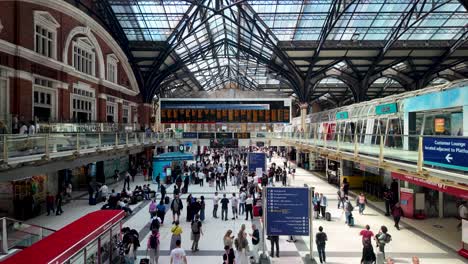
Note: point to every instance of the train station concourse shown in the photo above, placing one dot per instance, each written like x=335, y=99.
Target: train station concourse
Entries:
x=233, y=131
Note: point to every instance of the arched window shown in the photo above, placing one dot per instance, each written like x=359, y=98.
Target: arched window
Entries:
x=84, y=56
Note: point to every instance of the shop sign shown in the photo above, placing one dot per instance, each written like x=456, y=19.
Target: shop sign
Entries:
x=189, y=135
x=446, y=152
x=341, y=115
x=385, y=109
x=458, y=192
x=439, y=125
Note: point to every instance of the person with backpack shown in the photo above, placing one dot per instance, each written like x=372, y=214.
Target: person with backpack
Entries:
x=176, y=207
x=361, y=202
x=155, y=223
x=316, y=203
x=161, y=211
x=382, y=239
x=348, y=209
x=176, y=231
x=196, y=232
x=153, y=247
x=320, y=240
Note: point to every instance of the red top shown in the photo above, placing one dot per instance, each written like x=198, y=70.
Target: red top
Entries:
x=63, y=244
x=366, y=234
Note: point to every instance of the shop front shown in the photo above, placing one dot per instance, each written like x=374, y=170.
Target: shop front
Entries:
x=431, y=199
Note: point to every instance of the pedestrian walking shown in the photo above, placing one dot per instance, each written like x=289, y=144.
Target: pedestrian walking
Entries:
x=323, y=204
x=320, y=240
x=348, y=209
x=367, y=235
x=58, y=203
x=215, y=205
x=234, y=205
x=340, y=198
x=197, y=232
x=127, y=180
x=368, y=255
x=161, y=211
x=50, y=203
x=316, y=203
x=249, y=207
x=178, y=255
x=255, y=243
x=176, y=207
x=202, y=208
x=361, y=201
x=242, y=198
x=397, y=213
x=224, y=208
x=382, y=239
x=176, y=231
x=153, y=248
x=274, y=241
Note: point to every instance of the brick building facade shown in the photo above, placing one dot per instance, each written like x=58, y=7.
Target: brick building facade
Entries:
x=57, y=64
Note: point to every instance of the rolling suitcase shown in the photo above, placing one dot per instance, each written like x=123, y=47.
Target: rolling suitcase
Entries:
x=328, y=216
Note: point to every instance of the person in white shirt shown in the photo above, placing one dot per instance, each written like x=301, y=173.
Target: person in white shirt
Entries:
x=178, y=255
x=249, y=207
x=242, y=198
x=201, y=177
x=215, y=205
x=31, y=129
x=104, y=190
x=234, y=205
x=23, y=129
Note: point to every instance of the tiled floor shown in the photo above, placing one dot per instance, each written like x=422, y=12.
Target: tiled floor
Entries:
x=344, y=243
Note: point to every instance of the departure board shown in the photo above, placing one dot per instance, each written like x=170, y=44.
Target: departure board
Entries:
x=198, y=111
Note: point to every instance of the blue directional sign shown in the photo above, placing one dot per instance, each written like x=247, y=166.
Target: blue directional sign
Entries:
x=257, y=160
x=287, y=211
x=446, y=152
x=189, y=135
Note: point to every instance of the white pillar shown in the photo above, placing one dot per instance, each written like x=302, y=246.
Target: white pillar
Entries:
x=441, y=205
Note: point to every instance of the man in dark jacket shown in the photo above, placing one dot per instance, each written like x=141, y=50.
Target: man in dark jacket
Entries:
x=320, y=240
x=176, y=207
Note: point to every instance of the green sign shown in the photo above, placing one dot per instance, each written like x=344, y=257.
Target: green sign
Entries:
x=341, y=115
x=386, y=109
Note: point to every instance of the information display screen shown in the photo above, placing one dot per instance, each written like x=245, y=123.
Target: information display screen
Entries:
x=224, y=143
x=242, y=135
x=225, y=111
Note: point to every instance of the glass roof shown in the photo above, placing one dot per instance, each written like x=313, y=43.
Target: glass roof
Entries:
x=371, y=20
x=238, y=43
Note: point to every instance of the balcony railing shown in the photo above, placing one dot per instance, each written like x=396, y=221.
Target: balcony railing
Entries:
x=21, y=148
x=17, y=234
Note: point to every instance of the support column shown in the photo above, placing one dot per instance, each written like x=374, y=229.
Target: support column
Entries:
x=303, y=107
x=441, y=205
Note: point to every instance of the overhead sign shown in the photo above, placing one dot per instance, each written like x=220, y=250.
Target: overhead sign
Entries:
x=223, y=135
x=385, y=109
x=242, y=135
x=341, y=115
x=287, y=211
x=189, y=135
x=257, y=160
x=449, y=153
x=206, y=135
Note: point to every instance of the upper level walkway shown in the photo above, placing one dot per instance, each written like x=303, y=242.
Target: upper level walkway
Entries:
x=404, y=152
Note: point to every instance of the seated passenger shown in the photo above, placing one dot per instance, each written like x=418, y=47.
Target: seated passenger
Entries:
x=123, y=204
x=104, y=191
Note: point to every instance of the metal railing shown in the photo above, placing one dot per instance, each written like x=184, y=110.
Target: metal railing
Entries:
x=17, y=234
x=16, y=148
x=395, y=147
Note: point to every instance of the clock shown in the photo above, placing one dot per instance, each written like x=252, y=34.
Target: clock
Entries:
x=181, y=148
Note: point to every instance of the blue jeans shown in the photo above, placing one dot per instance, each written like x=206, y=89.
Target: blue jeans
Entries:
x=321, y=252
x=361, y=208
x=347, y=215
